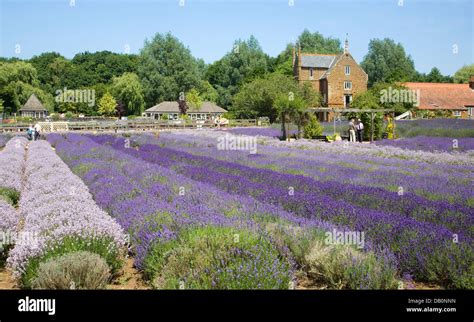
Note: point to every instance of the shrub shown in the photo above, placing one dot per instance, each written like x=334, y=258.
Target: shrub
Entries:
x=4, y=249
x=217, y=258
x=337, y=266
x=102, y=247
x=10, y=195
x=79, y=270
x=453, y=267
x=342, y=266
x=313, y=128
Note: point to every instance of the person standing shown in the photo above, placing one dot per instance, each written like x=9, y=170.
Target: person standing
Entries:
x=37, y=131
x=30, y=132
x=360, y=130
x=352, y=130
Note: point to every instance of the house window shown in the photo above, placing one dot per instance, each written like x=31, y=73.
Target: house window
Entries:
x=347, y=85
x=348, y=70
x=311, y=73
x=457, y=113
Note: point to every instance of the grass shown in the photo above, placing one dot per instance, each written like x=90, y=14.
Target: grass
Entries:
x=10, y=195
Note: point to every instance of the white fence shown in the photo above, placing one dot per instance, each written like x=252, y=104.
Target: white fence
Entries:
x=54, y=126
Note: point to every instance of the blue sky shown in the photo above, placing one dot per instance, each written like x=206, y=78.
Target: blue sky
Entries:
x=428, y=29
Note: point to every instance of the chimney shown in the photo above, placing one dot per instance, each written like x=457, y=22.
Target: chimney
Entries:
x=346, y=46
x=471, y=82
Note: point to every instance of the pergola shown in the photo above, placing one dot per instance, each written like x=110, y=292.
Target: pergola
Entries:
x=356, y=110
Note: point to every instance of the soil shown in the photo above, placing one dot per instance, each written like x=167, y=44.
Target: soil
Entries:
x=305, y=283
x=130, y=279
x=6, y=280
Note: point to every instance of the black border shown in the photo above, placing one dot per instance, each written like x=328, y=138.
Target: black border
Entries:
x=291, y=305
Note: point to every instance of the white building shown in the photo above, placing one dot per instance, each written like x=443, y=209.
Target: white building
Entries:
x=207, y=110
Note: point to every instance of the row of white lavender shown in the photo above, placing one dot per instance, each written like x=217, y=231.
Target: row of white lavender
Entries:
x=12, y=161
x=58, y=210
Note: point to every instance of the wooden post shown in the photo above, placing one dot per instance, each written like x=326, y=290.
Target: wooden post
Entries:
x=393, y=126
x=371, y=127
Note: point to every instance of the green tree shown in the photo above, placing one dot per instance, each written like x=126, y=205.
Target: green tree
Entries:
x=289, y=106
x=166, y=69
x=245, y=62
x=381, y=95
x=128, y=90
x=313, y=127
x=257, y=98
x=107, y=105
x=435, y=76
x=193, y=98
x=18, y=80
x=208, y=92
x=309, y=43
x=99, y=67
x=317, y=43
x=51, y=68
x=387, y=61
x=463, y=74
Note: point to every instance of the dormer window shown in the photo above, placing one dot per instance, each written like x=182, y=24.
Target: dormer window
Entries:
x=348, y=70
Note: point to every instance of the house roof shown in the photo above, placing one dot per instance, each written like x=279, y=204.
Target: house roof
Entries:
x=443, y=96
x=173, y=107
x=33, y=104
x=317, y=61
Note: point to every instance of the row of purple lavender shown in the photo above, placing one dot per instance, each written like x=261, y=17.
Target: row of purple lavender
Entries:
x=158, y=206
x=428, y=237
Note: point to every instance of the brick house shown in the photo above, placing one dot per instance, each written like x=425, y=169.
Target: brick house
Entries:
x=455, y=99
x=337, y=77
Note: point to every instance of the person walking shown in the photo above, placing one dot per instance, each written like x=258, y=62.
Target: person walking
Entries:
x=360, y=130
x=352, y=131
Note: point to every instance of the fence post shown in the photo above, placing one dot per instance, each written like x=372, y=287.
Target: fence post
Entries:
x=371, y=127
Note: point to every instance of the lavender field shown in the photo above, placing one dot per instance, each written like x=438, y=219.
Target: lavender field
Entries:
x=432, y=144
x=195, y=213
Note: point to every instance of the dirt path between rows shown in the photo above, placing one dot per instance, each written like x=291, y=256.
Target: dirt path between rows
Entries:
x=6, y=280
x=131, y=279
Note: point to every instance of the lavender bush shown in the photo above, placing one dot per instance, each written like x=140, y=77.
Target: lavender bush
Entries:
x=12, y=163
x=3, y=140
x=257, y=131
x=402, y=228
x=145, y=199
x=455, y=128
x=59, y=211
x=432, y=144
x=9, y=220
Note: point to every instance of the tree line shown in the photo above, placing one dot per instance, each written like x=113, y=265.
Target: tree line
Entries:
x=245, y=81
